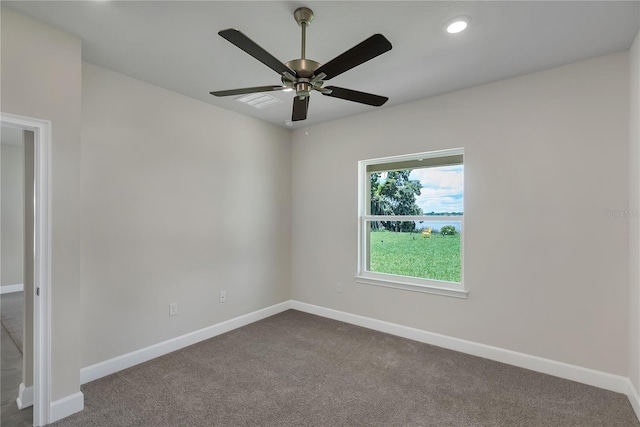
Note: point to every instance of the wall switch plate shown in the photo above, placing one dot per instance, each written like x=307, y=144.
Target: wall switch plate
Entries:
x=173, y=309
x=339, y=288
x=223, y=296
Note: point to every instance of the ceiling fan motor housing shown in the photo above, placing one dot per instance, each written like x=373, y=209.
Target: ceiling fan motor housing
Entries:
x=304, y=69
x=303, y=88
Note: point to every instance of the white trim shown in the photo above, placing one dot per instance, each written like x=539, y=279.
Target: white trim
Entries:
x=634, y=398
x=108, y=367
x=414, y=156
x=25, y=396
x=426, y=289
x=66, y=406
x=42, y=262
x=579, y=374
x=9, y=289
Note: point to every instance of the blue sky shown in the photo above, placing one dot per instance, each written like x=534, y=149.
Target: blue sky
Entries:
x=442, y=188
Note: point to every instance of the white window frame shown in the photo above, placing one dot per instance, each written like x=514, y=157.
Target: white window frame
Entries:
x=409, y=283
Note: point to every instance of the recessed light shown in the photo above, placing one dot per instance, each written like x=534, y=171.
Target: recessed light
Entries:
x=458, y=24
x=289, y=89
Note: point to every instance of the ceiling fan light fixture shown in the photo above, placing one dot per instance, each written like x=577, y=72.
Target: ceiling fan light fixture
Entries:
x=457, y=24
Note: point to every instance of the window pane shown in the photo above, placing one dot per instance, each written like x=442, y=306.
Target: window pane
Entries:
x=436, y=190
x=441, y=191
x=424, y=249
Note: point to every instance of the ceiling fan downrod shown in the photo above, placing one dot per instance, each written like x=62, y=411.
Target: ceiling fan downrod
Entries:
x=303, y=87
x=303, y=16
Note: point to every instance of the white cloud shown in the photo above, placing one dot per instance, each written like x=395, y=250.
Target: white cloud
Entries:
x=442, y=188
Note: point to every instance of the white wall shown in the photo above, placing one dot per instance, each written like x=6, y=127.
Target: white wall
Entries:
x=634, y=213
x=12, y=239
x=545, y=157
x=180, y=200
x=41, y=78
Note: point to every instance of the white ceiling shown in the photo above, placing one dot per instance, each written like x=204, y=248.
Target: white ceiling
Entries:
x=174, y=44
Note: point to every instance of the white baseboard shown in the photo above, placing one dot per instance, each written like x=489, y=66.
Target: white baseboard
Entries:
x=25, y=396
x=66, y=406
x=634, y=398
x=579, y=374
x=108, y=367
x=7, y=289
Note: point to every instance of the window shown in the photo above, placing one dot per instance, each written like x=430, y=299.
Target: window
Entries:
x=411, y=222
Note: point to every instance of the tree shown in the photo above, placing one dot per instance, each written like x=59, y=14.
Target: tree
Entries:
x=448, y=230
x=396, y=195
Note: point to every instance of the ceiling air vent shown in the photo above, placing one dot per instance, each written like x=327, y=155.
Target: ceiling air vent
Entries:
x=259, y=100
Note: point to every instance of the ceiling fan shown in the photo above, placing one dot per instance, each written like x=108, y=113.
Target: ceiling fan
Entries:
x=305, y=75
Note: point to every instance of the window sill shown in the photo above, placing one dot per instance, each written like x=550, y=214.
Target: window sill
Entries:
x=427, y=289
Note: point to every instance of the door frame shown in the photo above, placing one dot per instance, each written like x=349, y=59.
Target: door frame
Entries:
x=41, y=262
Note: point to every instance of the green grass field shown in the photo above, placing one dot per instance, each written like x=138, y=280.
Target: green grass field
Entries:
x=408, y=254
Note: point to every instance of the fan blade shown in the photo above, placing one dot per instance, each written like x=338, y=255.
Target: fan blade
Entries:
x=355, y=96
x=300, y=108
x=375, y=45
x=252, y=48
x=247, y=90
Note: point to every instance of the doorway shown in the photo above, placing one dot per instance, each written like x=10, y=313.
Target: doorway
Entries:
x=16, y=278
x=36, y=376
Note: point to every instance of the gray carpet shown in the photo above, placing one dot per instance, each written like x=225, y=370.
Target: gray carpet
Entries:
x=296, y=369
x=11, y=312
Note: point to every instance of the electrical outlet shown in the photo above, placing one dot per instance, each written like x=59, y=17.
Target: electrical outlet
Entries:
x=339, y=288
x=173, y=309
x=223, y=296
